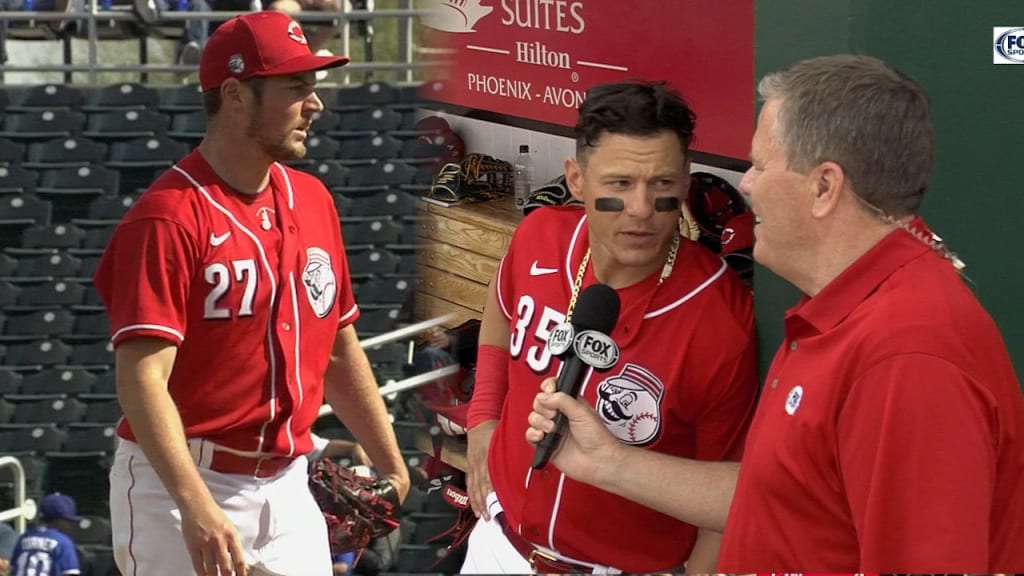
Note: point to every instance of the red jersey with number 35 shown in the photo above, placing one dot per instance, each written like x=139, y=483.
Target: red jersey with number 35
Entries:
x=684, y=384
x=252, y=289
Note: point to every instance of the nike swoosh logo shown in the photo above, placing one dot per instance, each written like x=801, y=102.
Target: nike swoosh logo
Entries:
x=536, y=270
x=218, y=240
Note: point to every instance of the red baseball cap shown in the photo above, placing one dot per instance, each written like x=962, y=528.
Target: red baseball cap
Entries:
x=267, y=43
x=738, y=234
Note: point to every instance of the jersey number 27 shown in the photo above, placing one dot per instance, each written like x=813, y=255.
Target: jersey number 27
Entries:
x=221, y=278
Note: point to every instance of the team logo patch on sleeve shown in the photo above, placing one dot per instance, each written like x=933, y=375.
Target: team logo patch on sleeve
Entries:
x=629, y=403
x=318, y=277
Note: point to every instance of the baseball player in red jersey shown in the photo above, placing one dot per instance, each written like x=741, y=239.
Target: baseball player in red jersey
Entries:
x=888, y=436
x=230, y=301
x=685, y=379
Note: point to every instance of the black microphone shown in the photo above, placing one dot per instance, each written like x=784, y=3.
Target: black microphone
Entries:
x=584, y=342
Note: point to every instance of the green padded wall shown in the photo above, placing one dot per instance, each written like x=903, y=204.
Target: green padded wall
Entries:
x=978, y=110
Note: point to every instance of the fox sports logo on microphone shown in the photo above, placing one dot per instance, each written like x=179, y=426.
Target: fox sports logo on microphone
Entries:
x=1009, y=45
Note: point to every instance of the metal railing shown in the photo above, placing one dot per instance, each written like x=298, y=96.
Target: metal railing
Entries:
x=24, y=508
x=94, y=17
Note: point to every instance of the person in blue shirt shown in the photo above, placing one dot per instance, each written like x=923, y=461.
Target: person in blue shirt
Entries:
x=46, y=549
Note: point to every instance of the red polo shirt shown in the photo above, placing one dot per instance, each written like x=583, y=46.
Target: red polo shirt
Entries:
x=890, y=433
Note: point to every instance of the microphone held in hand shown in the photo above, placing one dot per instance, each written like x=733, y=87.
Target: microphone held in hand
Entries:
x=585, y=342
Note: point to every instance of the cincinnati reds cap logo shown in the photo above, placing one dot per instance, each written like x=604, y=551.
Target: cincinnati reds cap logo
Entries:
x=629, y=403
x=236, y=64
x=318, y=277
x=295, y=33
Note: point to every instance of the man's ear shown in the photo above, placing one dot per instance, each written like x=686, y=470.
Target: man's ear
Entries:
x=574, y=178
x=231, y=93
x=828, y=180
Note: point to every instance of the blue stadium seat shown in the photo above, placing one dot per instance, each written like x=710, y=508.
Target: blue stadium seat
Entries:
x=39, y=323
x=188, y=126
x=97, y=237
x=102, y=412
x=11, y=152
x=369, y=230
x=391, y=290
x=154, y=152
x=98, y=352
x=375, y=319
x=8, y=293
x=386, y=173
x=37, y=353
x=321, y=148
x=369, y=93
x=380, y=146
x=11, y=381
x=17, y=180
x=42, y=125
x=53, y=236
x=125, y=124
x=364, y=260
x=106, y=383
x=58, y=380
x=92, y=179
x=88, y=438
x=89, y=265
x=186, y=98
x=374, y=119
x=48, y=410
x=324, y=121
x=55, y=264
x=18, y=212
x=47, y=97
x=66, y=151
x=389, y=202
x=93, y=324
x=51, y=293
x=37, y=438
x=91, y=530
x=110, y=207
x=125, y=95
x=8, y=265
x=342, y=204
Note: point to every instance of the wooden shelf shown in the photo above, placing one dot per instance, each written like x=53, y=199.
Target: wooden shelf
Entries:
x=460, y=247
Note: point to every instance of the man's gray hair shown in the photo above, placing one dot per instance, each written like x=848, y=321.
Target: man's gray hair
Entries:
x=871, y=119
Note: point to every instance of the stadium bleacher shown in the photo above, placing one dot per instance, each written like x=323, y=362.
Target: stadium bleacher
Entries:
x=73, y=160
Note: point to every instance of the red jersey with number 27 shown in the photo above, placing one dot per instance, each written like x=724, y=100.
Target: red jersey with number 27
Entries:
x=252, y=289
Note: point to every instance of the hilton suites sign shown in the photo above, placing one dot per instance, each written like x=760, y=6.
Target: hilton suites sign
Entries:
x=535, y=59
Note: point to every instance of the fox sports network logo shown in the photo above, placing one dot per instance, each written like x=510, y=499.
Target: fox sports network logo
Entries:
x=1009, y=45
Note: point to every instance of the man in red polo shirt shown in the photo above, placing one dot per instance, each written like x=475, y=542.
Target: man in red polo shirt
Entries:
x=231, y=306
x=889, y=436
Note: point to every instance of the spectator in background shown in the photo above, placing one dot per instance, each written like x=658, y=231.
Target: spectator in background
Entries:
x=8, y=537
x=46, y=549
x=317, y=33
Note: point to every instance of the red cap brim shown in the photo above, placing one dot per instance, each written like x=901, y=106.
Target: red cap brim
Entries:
x=305, y=63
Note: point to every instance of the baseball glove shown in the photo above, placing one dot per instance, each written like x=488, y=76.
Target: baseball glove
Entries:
x=357, y=508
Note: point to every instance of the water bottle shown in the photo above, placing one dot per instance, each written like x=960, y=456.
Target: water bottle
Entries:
x=524, y=176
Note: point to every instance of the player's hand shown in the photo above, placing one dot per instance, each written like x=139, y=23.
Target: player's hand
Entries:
x=478, y=478
x=586, y=444
x=212, y=541
x=401, y=482
x=359, y=456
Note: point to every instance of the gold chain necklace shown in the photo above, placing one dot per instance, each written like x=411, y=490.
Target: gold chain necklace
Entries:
x=578, y=283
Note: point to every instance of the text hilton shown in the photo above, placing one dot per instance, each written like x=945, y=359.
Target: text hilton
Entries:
x=537, y=53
